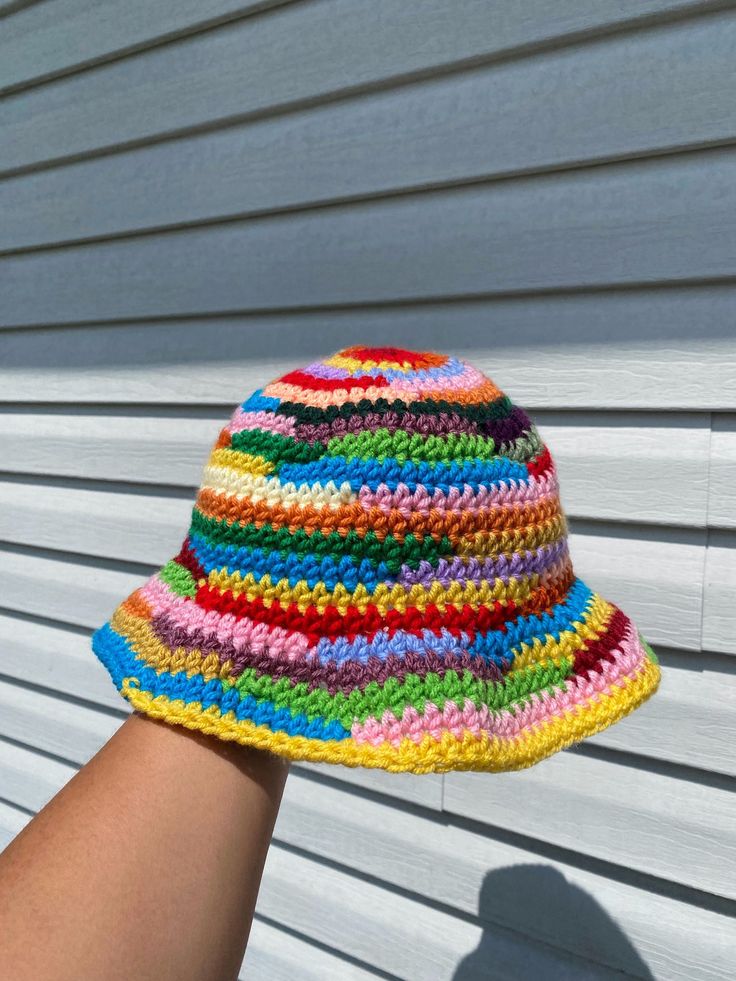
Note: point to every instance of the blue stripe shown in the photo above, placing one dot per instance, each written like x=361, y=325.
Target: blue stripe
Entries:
x=527, y=629
x=260, y=403
x=288, y=565
x=120, y=660
x=432, y=476
x=495, y=645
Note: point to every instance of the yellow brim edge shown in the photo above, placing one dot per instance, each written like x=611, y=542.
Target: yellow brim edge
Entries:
x=489, y=754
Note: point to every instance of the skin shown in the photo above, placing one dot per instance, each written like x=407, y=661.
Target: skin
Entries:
x=145, y=865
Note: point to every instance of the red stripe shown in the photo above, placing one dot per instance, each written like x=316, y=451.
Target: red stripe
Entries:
x=188, y=559
x=416, y=359
x=588, y=659
x=311, y=383
x=541, y=464
x=355, y=623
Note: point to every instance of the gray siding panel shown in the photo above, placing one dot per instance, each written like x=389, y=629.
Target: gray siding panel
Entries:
x=52, y=39
x=295, y=55
x=645, y=349
x=207, y=194
x=459, y=128
x=620, y=225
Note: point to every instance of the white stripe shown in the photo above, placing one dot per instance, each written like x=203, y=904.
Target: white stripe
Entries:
x=232, y=483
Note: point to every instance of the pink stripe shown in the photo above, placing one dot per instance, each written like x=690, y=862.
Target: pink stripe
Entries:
x=507, y=493
x=286, y=425
x=401, y=389
x=504, y=725
x=245, y=635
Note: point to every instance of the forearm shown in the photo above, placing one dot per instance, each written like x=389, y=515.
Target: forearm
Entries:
x=146, y=865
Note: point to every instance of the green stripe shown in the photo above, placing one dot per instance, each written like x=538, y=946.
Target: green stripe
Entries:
x=386, y=445
x=275, y=447
x=178, y=578
x=415, y=447
x=395, y=695
x=394, y=553
x=480, y=412
x=523, y=449
x=648, y=650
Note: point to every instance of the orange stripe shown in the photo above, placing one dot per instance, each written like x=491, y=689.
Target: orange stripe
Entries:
x=137, y=606
x=354, y=517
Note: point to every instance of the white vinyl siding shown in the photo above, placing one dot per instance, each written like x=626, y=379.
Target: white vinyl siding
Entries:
x=196, y=197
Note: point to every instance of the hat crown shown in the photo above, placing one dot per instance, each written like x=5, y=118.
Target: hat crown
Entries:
x=414, y=462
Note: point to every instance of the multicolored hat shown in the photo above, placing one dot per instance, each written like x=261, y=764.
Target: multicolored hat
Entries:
x=377, y=574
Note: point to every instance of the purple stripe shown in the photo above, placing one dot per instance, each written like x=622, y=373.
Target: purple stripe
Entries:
x=427, y=425
x=516, y=424
x=506, y=430
x=516, y=566
x=343, y=677
x=451, y=368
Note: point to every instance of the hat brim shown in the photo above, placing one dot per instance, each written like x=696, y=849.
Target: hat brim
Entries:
x=571, y=699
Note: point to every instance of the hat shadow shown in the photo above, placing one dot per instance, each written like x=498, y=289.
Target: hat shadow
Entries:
x=573, y=919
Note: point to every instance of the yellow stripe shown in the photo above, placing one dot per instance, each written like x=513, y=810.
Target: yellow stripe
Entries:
x=531, y=537
x=157, y=655
x=384, y=597
x=361, y=367
x=595, y=621
x=241, y=463
x=487, y=753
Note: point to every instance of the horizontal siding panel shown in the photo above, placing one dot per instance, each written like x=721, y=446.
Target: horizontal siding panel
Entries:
x=43, y=40
x=400, y=934
x=131, y=448
x=12, y=822
x=55, y=658
x=275, y=955
x=609, y=468
x=656, y=823
x=75, y=592
x=624, y=224
x=67, y=730
x=658, y=348
x=502, y=883
x=722, y=485
x=445, y=130
x=133, y=527
x=28, y=779
x=673, y=726
x=297, y=53
x=422, y=789
x=719, y=620
x=670, y=727
x=634, y=468
x=658, y=580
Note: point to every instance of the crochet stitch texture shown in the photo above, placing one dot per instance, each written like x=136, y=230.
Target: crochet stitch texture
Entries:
x=377, y=574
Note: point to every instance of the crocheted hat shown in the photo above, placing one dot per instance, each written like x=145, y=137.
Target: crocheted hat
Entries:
x=377, y=574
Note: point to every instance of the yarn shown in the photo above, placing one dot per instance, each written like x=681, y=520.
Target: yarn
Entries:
x=377, y=574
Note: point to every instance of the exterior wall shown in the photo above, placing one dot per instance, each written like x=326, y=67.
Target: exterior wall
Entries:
x=198, y=195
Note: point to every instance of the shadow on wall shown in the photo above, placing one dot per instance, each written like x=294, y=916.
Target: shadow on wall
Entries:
x=573, y=920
